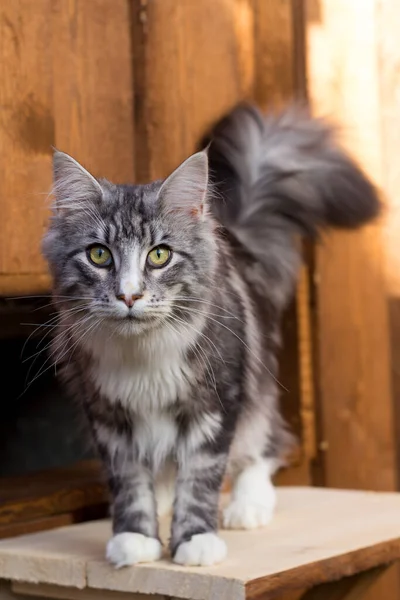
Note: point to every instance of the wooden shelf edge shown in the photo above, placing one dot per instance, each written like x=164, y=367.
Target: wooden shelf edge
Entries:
x=24, y=284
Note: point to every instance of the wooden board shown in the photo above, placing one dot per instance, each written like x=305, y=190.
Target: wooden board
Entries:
x=352, y=311
x=193, y=61
x=26, y=131
x=317, y=535
x=275, y=66
x=30, y=502
x=93, y=85
x=388, y=56
x=354, y=363
x=66, y=593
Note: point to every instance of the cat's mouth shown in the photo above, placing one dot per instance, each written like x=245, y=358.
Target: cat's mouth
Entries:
x=132, y=317
x=133, y=324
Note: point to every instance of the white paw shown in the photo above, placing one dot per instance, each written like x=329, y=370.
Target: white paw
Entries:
x=202, y=550
x=126, y=549
x=244, y=514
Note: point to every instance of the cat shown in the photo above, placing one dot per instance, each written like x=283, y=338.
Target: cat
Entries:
x=169, y=297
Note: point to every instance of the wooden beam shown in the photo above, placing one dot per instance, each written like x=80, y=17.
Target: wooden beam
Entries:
x=56, y=592
x=348, y=588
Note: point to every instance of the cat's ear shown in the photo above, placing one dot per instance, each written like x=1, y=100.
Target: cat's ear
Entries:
x=73, y=185
x=185, y=190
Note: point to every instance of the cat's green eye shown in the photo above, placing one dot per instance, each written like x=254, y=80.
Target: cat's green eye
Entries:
x=159, y=257
x=100, y=256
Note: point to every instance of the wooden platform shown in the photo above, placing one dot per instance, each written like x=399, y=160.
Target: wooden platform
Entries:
x=317, y=535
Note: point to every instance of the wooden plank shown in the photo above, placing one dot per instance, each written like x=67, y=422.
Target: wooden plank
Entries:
x=177, y=95
x=353, y=324
x=19, y=284
x=318, y=535
x=7, y=594
x=93, y=85
x=32, y=497
x=348, y=588
x=387, y=15
x=319, y=577
x=26, y=132
x=43, y=524
x=67, y=593
x=388, y=23
x=275, y=81
x=352, y=314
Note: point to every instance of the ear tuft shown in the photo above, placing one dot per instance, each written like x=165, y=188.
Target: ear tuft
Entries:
x=73, y=184
x=185, y=190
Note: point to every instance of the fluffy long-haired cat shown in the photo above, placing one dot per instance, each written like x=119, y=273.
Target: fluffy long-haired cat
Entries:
x=170, y=296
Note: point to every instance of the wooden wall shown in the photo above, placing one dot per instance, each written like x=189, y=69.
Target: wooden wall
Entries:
x=353, y=65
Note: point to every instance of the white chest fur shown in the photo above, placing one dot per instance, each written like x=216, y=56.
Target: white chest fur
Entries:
x=144, y=375
x=147, y=377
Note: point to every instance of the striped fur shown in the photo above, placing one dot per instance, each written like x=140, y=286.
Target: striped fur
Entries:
x=185, y=381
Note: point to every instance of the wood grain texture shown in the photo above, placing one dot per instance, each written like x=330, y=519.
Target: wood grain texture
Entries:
x=93, y=85
x=42, y=524
x=26, y=132
x=388, y=55
x=355, y=393
x=67, y=593
x=17, y=284
x=353, y=324
x=348, y=588
x=72, y=490
x=317, y=535
x=387, y=15
x=275, y=65
x=193, y=61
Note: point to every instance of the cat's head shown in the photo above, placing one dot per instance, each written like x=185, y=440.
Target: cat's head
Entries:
x=128, y=256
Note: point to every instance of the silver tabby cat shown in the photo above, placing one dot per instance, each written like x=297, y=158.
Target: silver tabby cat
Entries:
x=170, y=296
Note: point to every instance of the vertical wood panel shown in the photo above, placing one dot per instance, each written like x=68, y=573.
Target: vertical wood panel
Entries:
x=353, y=324
x=353, y=349
x=93, y=85
x=275, y=82
x=193, y=61
x=388, y=27
x=26, y=131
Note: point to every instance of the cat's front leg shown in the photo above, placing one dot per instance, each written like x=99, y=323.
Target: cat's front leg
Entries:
x=135, y=527
x=133, y=505
x=194, y=539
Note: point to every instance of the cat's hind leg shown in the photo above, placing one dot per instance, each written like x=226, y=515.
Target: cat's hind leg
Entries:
x=260, y=442
x=253, y=497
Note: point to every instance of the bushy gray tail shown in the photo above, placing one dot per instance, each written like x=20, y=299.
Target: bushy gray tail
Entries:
x=278, y=176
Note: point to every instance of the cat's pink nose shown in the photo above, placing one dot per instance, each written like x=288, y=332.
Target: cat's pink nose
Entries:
x=129, y=299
